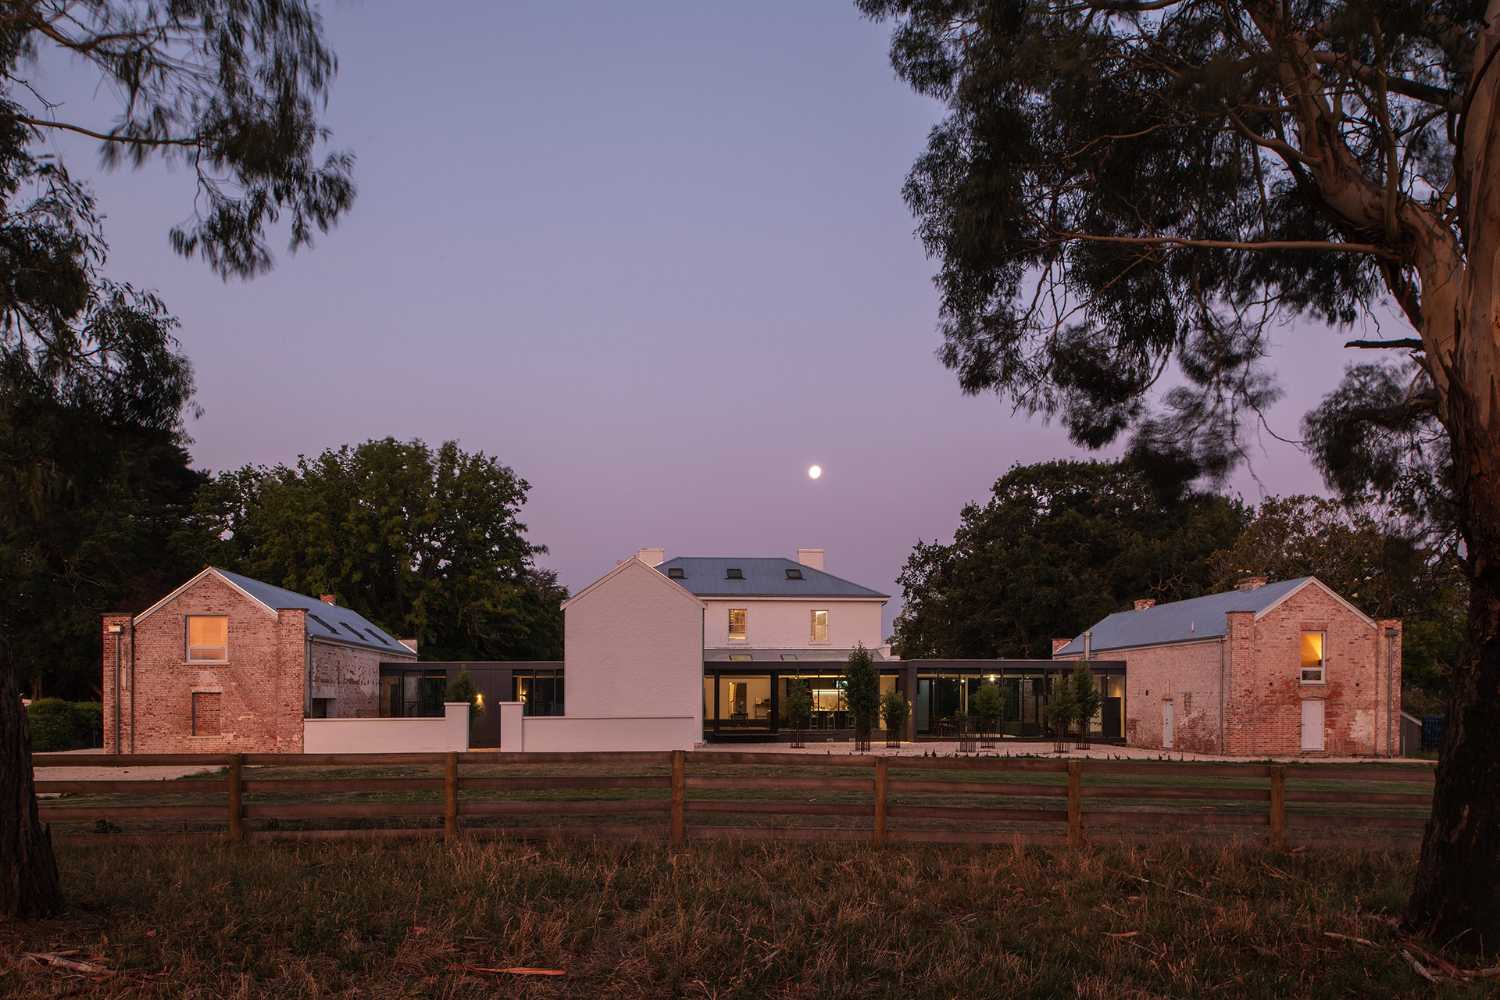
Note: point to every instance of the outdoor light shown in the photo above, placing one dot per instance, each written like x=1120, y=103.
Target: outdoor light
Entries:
x=479, y=699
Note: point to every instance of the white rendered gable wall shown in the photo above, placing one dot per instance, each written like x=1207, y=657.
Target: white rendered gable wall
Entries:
x=787, y=624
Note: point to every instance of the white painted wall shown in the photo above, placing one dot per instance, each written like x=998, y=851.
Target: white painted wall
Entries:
x=787, y=624
x=374, y=735
x=512, y=719
x=544, y=733
x=633, y=650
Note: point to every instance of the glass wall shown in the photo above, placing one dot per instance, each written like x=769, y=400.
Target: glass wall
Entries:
x=744, y=702
x=416, y=692
x=540, y=692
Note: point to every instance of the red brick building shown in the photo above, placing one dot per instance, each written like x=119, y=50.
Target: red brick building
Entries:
x=1268, y=668
x=227, y=663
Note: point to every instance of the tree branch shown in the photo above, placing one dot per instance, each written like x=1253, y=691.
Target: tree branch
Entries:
x=105, y=136
x=1261, y=245
x=1369, y=76
x=1404, y=343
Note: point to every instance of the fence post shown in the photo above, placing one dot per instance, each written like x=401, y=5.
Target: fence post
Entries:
x=1075, y=803
x=236, y=810
x=450, y=797
x=1278, y=807
x=679, y=797
x=882, y=779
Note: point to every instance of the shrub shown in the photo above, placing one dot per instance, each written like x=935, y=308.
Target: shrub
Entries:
x=988, y=706
x=63, y=725
x=862, y=689
x=894, y=708
x=1086, y=698
x=462, y=689
x=798, y=705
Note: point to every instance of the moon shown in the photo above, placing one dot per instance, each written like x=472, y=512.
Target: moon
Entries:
x=814, y=472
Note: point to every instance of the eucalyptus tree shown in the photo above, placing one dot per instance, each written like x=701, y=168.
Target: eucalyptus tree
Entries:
x=231, y=90
x=1127, y=191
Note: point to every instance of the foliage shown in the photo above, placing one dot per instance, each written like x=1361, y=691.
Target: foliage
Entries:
x=230, y=89
x=1377, y=565
x=988, y=705
x=1062, y=704
x=1087, y=697
x=797, y=704
x=862, y=690
x=894, y=709
x=424, y=542
x=65, y=725
x=1057, y=546
x=462, y=688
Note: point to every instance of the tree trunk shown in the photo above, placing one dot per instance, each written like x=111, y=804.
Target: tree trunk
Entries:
x=1457, y=893
x=28, y=872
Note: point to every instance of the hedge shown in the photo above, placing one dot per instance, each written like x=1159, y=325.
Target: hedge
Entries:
x=65, y=725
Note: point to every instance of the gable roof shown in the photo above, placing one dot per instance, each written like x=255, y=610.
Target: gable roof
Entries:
x=621, y=567
x=323, y=621
x=707, y=576
x=1193, y=620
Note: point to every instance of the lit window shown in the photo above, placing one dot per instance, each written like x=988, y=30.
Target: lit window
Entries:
x=739, y=657
x=820, y=626
x=737, y=619
x=207, y=638
x=1312, y=657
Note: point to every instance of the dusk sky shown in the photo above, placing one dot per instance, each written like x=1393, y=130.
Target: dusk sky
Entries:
x=653, y=256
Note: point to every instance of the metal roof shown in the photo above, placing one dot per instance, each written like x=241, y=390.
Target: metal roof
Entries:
x=1179, y=621
x=707, y=576
x=323, y=620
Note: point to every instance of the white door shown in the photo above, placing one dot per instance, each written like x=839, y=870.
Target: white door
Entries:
x=1168, y=725
x=1312, y=724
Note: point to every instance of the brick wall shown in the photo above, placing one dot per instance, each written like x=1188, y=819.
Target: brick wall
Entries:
x=1184, y=674
x=260, y=685
x=1263, y=705
x=351, y=677
x=1267, y=690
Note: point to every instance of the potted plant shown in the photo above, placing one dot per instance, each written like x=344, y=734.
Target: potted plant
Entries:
x=893, y=707
x=862, y=691
x=798, y=706
x=1062, y=708
x=987, y=706
x=1086, y=700
x=462, y=688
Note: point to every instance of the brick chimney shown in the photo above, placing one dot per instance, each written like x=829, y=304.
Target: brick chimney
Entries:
x=1058, y=644
x=327, y=599
x=810, y=557
x=1145, y=603
x=652, y=557
x=1251, y=583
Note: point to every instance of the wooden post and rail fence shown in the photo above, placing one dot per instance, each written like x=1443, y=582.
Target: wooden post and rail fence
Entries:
x=678, y=796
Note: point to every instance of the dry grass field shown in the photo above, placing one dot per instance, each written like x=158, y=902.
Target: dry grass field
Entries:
x=723, y=919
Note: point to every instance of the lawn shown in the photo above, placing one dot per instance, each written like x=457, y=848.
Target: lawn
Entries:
x=722, y=919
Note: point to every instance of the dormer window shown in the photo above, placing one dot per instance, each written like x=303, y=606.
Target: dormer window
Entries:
x=734, y=573
x=675, y=573
x=793, y=574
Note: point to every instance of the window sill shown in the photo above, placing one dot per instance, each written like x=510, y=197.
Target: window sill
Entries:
x=205, y=663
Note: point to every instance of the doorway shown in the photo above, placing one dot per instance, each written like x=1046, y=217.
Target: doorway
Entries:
x=1168, y=725
x=1312, y=725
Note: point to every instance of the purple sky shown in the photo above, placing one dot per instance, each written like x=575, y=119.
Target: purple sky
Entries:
x=652, y=256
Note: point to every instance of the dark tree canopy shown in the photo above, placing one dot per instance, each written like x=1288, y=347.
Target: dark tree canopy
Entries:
x=1057, y=546
x=1126, y=196
x=231, y=89
x=425, y=542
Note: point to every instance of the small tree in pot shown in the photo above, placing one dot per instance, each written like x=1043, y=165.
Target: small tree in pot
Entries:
x=988, y=706
x=862, y=691
x=1086, y=700
x=462, y=689
x=798, y=710
x=893, y=707
x=1062, y=708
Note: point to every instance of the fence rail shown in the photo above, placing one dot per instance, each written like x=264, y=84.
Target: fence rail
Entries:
x=700, y=795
